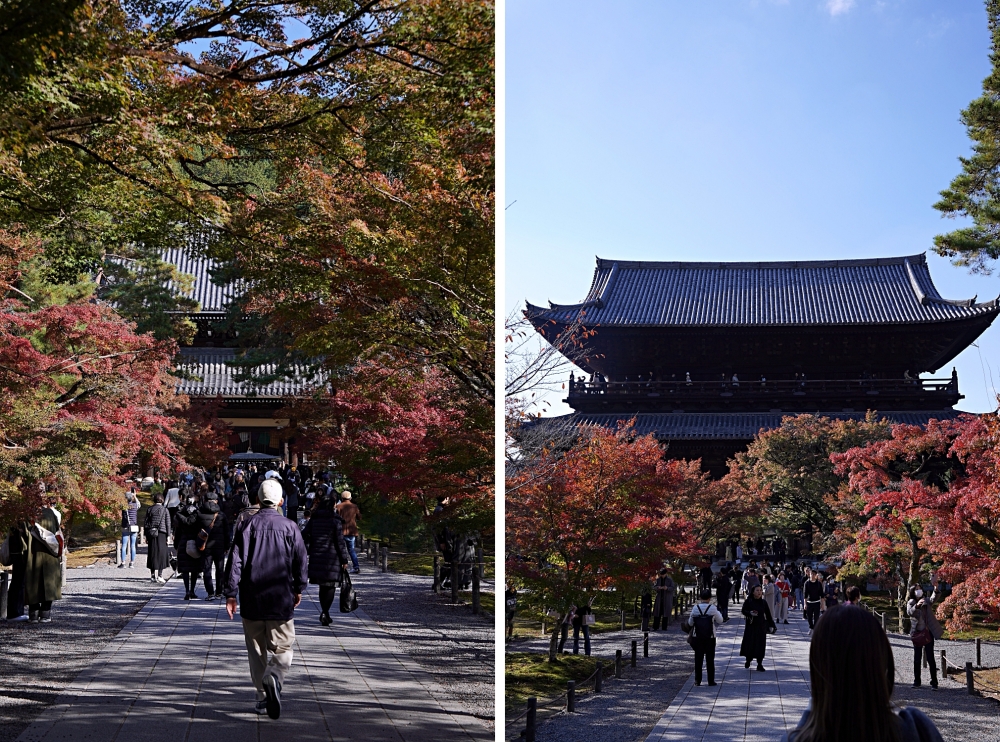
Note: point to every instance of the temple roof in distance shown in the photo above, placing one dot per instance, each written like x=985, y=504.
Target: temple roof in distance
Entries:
x=829, y=292
x=723, y=425
x=214, y=378
x=213, y=298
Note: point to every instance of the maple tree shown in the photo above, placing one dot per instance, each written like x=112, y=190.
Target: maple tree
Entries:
x=790, y=468
x=407, y=437
x=895, y=491
x=597, y=516
x=81, y=395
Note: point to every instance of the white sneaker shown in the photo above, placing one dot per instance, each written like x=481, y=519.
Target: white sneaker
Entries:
x=160, y=580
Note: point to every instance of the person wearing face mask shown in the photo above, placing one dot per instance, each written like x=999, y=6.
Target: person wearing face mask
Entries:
x=186, y=527
x=924, y=629
x=130, y=528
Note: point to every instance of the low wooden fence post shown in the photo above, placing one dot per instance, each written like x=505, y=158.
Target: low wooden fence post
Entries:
x=970, y=679
x=645, y=644
x=979, y=652
x=475, y=591
x=570, y=696
x=385, y=558
x=529, y=727
x=634, y=651
x=618, y=663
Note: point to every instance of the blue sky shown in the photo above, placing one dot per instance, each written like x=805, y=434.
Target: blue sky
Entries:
x=738, y=130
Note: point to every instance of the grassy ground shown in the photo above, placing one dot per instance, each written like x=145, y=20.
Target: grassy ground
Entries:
x=530, y=674
x=988, y=682
x=982, y=627
x=86, y=555
x=528, y=621
x=423, y=564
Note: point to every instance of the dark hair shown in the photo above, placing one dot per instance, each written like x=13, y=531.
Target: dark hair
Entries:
x=158, y=497
x=852, y=673
x=910, y=591
x=853, y=593
x=706, y=594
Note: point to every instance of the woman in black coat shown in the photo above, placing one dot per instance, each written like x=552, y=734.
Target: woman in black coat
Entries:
x=158, y=555
x=759, y=625
x=213, y=522
x=187, y=525
x=328, y=557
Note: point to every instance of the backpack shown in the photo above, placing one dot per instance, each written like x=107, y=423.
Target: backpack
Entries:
x=701, y=623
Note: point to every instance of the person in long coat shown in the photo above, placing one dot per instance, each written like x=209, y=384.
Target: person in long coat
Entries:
x=18, y=540
x=327, y=549
x=213, y=522
x=663, y=605
x=920, y=609
x=186, y=526
x=43, y=573
x=759, y=624
x=158, y=555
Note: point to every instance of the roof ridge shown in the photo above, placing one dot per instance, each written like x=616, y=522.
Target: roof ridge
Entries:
x=680, y=264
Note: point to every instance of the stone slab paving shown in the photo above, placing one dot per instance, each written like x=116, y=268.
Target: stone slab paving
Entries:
x=746, y=705
x=178, y=671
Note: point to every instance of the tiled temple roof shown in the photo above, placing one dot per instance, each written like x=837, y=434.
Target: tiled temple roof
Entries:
x=838, y=292
x=212, y=297
x=214, y=378
x=721, y=425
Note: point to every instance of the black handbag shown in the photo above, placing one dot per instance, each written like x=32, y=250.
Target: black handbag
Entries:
x=348, y=598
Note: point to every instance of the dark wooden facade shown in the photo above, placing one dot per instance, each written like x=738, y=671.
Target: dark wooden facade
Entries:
x=726, y=349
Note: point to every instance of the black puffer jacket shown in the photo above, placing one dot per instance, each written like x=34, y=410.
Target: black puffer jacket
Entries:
x=324, y=537
x=188, y=525
x=218, y=534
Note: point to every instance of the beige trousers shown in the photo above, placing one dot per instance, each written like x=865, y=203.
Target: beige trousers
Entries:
x=262, y=637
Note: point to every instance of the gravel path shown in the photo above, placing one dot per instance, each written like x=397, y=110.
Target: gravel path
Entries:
x=626, y=710
x=958, y=715
x=454, y=646
x=38, y=661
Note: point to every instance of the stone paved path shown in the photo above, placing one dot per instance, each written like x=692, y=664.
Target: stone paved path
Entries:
x=178, y=671
x=746, y=706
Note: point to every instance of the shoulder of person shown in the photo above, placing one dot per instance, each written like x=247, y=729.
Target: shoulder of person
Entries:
x=917, y=726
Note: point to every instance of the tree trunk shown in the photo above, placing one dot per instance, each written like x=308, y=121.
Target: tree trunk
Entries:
x=901, y=600
x=554, y=642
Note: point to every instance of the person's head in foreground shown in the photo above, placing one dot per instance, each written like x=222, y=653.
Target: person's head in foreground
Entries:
x=852, y=675
x=269, y=494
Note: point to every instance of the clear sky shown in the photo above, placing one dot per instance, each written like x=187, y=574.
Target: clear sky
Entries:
x=738, y=130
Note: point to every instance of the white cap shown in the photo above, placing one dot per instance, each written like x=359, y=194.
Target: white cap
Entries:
x=272, y=475
x=269, y=493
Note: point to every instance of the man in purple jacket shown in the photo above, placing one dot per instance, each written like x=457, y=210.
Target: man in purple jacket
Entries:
x=268, y=572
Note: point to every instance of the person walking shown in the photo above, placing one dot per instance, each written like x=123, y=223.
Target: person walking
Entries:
x=795, y=578
x=770, y=594
x=186, y=527
x=211, y=521
x=813, y=596
x=851, y=679
x=327, y=548
x=172, y=499
x=350, y=513
x=130, y=528
x=156, y=526
x=43, y=568
x=267, y=571
x=924, y=629
x=759, y=624
x=664, y=602
x=784, y=591
x=722, y=588
x=701, y=623
x=580, y=625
